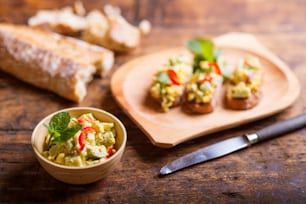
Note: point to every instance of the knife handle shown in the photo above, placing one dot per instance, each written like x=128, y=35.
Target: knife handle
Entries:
x=282, y=127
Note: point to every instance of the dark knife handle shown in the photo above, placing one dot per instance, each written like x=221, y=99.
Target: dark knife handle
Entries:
x=282, y=127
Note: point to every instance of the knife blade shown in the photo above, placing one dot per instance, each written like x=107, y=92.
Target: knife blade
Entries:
x=230, y=145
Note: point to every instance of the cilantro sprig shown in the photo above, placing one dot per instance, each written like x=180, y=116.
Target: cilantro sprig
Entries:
x=59, y=130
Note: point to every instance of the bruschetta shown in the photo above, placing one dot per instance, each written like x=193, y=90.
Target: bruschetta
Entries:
x=203, y=89
x=169, y=82
x=243, y=91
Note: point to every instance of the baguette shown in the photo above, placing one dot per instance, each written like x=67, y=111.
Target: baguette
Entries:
x=169, y=82
x=203, y=90
x=50, y=61
x=63, y=21
x=108, y=29
x=111, y=31
x=244, y=92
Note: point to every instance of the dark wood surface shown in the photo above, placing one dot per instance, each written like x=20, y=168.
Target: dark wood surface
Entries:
x=270, y=172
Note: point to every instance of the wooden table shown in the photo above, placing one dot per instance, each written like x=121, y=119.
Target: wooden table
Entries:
x=270, y=172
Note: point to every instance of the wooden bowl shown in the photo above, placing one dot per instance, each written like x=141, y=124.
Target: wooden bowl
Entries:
x=80, y=175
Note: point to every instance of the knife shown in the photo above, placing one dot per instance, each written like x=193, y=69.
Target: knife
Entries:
x=230, y=145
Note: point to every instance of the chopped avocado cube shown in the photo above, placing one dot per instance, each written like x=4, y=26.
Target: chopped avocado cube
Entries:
x=240, y=91
x=96, y=152
x=60, y=158
x=73, y=161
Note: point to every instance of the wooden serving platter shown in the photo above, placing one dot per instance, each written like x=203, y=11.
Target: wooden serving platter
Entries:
x=131, y=82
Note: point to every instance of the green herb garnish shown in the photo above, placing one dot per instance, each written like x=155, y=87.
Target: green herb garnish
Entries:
x=59, y=130
x=163, y=78
x=203, y=50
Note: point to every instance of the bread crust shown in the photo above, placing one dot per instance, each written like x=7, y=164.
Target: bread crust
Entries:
x=67, y=20
x=243, y=103
x=199, y=107
x=49, y=61
x=114, y=33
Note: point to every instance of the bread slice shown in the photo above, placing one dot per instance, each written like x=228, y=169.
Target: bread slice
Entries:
x=50, y=61
x=207, y=107
x=244, y=90
x=243, y=103
x=169, y=82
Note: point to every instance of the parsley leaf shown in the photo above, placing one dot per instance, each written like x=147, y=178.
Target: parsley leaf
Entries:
x=59, y=130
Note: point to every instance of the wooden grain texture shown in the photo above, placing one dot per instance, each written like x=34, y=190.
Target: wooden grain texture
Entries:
x=131, y=83
x=270, y=172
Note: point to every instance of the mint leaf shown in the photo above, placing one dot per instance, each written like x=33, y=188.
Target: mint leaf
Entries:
x=59, y=130
x=202, y=47
x=59, y=122
x=163, y=78
x=196, y=62
x=66, y=134
x=194, y=46
x=203, y=50
x=70, y=132
x=56, y=140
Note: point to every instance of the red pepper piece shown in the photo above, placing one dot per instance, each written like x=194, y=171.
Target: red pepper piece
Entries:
x=173, y=77
x=88, y=129
x=207, y=77
x=216, y=67
x=110, y=152
x=82, y=139
x=81, y=120
x=83, y=136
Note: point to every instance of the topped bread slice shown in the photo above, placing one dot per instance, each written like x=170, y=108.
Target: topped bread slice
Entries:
x=244, y=91
x=50, y=61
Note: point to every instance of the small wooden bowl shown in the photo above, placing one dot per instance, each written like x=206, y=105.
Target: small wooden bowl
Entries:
x=80, y=175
